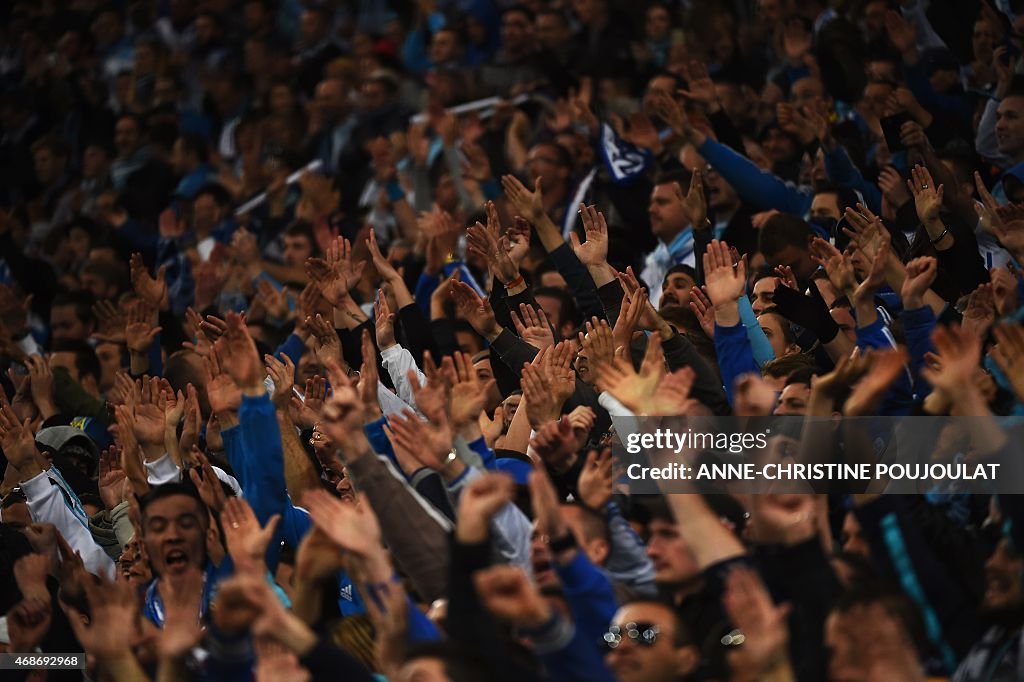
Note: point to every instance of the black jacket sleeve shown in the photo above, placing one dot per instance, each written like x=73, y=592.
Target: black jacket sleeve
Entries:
x=962, y=262
x=802, y=576
x=416, y=336
x=579, y=280
x=469, y=623
x=707, y=388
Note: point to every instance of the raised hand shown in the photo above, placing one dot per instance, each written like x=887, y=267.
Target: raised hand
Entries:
x=40, y=379
x=516, y=241
x=383, y=321
x=596, y=479
x=960, y=352
x=981, y=310
x=873, y=644
x=206, y=482
x=630, y=317
x=182, y=599
x=318, y=197
x=149, y=412
x=486, y=243
x=507, y=593
x=547, y=383
x=422, y=444
x=475, y=310
x=528, y=204
x=793, y=121
x=369, y=379
x=893, y=187
x=282, y=372
x=865, y=291
x=902, y=34
x=641, y=131
x=866, y=231
x=699, y=86
x=838, y=265
x=246, y=540
x=468, y=395
x=885, y=366
x=381, y=264
x=927, y=197
x=351, y=526
x=239, y=357
x=724, y=282
x=1008, y=354
x=478, y=504
x=556, y=443
x=131, y=453
x=921, y=273
x=222, y=394
x=702, y=307
x=665, y=107
x=672, y=394
x=343, y=414
x=195, y=330
x=594, y=251
x=599, y=348
x=336, y=273
x=110, y=322
x=112, y=628
x=431, y=398
x=273, y=300
x=753, y=396
x=327, y=345
x=192, y=420
x=30, y=573
x=533, y=327
x=1004, y=295
x=307, y=411
x=540, y=406
x=153, y=290
x=764, y=625
x=111, y=478
x=139, y=330
x=635, y=389
x=318, y=557
x=28, y=622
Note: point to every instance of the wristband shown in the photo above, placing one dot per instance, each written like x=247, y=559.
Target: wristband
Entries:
x=518, y=281
x=562, y=544
x=938, y=239
x=395, y=191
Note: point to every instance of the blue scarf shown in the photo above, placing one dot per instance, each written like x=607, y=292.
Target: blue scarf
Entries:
x=625, y=162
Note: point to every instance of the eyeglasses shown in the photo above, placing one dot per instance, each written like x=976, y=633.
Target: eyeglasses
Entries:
x=644, y=634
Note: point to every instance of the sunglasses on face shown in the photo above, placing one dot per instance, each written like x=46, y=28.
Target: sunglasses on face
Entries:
x=644, y=634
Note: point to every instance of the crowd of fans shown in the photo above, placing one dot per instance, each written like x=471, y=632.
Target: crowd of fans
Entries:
x=315, y=317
